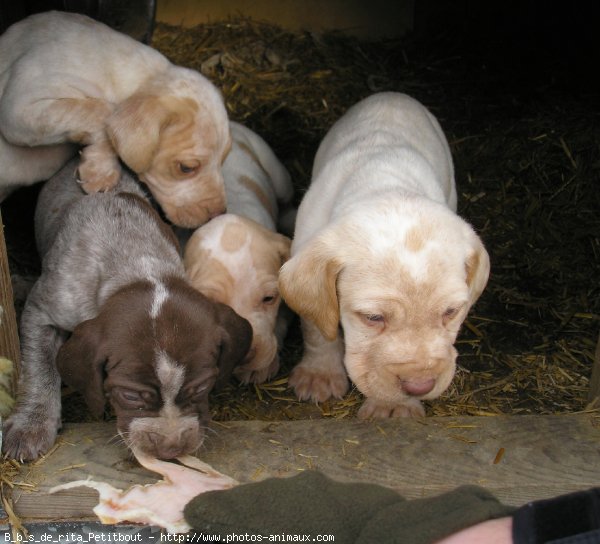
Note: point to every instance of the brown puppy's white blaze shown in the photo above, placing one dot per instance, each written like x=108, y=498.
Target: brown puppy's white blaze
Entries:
x=171, y=428
x=235, y=261
x=170, y=433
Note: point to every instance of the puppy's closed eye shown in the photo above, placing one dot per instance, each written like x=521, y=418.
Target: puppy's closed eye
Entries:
x=451, y=312
x=186, y=169
x=132, y=399
x=373, y=320
x=270, y=299
x=191, y=394
x=198, y=390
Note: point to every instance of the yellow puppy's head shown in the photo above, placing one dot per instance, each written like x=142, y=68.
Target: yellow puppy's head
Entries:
x=399, y=284
x=236, y=261
x=175, y=137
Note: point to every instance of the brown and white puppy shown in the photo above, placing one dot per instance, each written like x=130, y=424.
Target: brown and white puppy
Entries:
x=235, y=258
x=66, y=79
x=142, y=339
x=379, y=250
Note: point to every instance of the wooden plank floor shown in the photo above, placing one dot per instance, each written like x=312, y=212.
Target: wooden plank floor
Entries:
x=519, y=458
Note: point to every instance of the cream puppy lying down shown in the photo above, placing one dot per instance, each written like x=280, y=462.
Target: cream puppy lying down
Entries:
x=235, y=258
x=380, y=252
x=256, y=183
x=66, y=79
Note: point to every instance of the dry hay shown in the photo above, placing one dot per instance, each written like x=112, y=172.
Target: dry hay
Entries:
x=527, y=159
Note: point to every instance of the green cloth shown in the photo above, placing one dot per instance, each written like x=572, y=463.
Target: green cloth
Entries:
x=313, y=504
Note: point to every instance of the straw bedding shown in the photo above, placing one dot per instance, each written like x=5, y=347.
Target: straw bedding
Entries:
x=527, y=157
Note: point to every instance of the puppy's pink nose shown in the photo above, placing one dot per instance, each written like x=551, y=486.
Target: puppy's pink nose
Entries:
x=418, y=387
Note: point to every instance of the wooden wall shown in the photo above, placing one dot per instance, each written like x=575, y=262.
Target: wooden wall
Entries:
x=362, y=18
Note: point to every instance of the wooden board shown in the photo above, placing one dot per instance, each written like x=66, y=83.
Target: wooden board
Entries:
x=9, y=339
x=518, y=458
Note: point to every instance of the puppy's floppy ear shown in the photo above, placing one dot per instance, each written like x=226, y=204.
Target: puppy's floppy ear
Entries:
x=477, y=267
x=236, y=338
x=282, y=244
x=134, y=129
x=81, y=361
x=307, y=283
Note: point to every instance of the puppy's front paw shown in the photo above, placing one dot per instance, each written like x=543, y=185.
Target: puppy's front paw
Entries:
x=26, y=439
x=254, y=374
x=99, y=169
x=373, y=409
x=316, y=384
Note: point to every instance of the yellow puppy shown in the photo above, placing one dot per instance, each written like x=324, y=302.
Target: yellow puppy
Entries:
x=66, y=79
x=379, y=251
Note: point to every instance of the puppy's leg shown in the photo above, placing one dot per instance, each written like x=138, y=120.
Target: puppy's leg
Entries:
x=99, y=168
x=37, y=121
x=375, y=409
x=246, y=374
x=261, y=375
x=25, y=165
x=320, y=374
x=30, y=431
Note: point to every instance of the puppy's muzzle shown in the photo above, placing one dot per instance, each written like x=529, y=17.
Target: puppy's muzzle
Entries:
x=195, y=215
x=411, y=381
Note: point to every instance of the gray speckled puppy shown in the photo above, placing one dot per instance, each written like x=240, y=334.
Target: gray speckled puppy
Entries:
x=142, y=338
